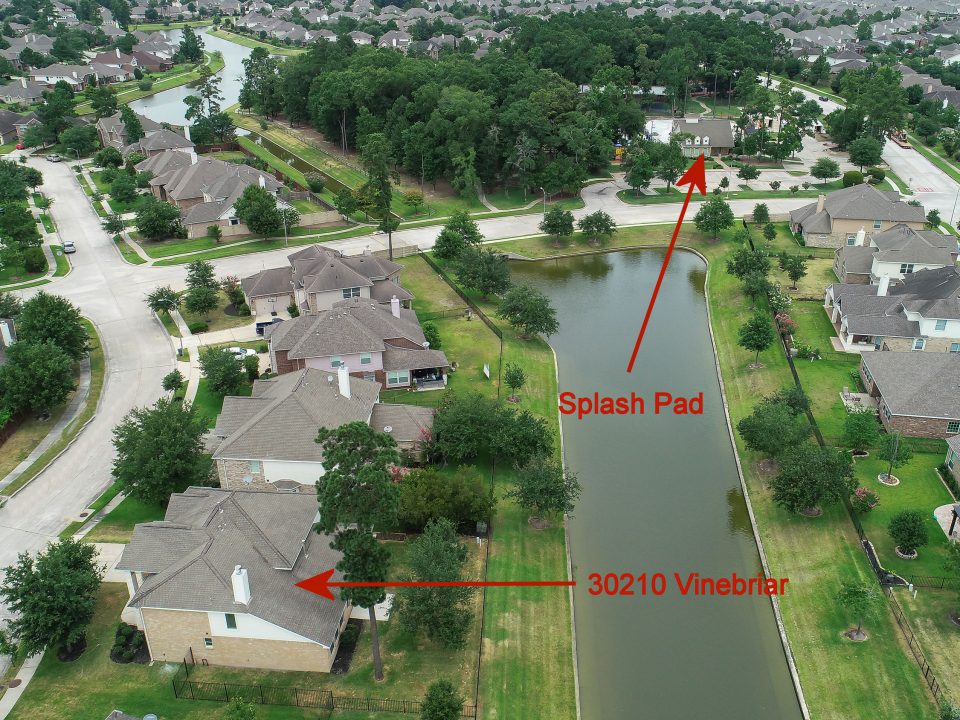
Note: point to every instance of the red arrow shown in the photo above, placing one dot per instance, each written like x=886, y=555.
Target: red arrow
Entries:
x=695, y=177
x=321, y=584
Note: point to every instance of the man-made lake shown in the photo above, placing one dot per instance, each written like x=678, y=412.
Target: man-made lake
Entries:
x=167, y=106
x=661, y=494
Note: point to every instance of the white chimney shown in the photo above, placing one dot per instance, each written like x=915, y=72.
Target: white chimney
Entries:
x=821, y=199
x=241, y=585
x=262, y=181
x=23, y=83
x=193, y=157
x=118, y=53
x=186, y=132
x=395, y=306
x=861, y=237
x=883, y=285
x=343, y=380
x=5, y=333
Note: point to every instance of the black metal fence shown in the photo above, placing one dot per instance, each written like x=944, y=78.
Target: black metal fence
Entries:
x=463, y=296
x=933, y=582
x=185, y=688
x=914, y=646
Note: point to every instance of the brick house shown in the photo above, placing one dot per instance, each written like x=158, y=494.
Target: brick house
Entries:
x=383, y=343
x=918, y=394
x=267, y=441
x=920, y=313
x=318, y=277
x=837, y=218
x=952, y=459
x=893, y=253
x=215, y=581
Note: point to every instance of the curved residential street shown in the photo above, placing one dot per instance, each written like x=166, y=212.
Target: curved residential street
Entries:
x=139, y=353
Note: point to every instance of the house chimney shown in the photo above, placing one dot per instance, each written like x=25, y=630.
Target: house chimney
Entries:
x=23, y=83
x=883, y=285
x=193, y=157
x=262, y=181
x=343, y=380
x=186, y=132
x=821, y=199
x=861, y=236
x=5, y=335
x=395, y=306
x=118, y=53
x=241, y=585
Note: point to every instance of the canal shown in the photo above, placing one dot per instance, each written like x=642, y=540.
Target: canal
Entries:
x=661, y=494
x=167, y=106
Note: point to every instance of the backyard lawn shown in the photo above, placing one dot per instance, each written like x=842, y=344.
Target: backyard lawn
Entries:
x=218, y=319
x=208, y=403
x=117, y=526
x=929, y=615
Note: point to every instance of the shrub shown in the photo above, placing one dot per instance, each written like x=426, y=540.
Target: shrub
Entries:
x=145, y=85
x=864, y=500
x=198, y=326
x=293, y=310
x=432, y=335
x=262, y=348
x=251, y=365
x=908, y=530
x=794, y=189
x=945, y=473
x=243, y=310
x=315, y=181
x=877, y=175
x=852, y=177
x=34, y=260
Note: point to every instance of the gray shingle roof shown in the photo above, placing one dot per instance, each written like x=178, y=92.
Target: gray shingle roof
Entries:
x=860, y=202
x=273, y=281
x=164, y=139
x=720, y=132
x=903, y=244
x=939, y=283
x=269, y=534
x=921, y=384
x=397, y=358
x=407, y=423
x=857, y=259
x=281, y=421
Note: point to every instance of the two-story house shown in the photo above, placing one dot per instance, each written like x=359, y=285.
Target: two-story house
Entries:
x=382, y=343
x=893, y=253
x=318, y=278
x=267, y=441
x=836, y=219
x=215, y=582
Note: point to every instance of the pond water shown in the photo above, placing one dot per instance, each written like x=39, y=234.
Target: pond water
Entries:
x=661, y=494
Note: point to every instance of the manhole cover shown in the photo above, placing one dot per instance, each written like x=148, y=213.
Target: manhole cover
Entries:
x=13, y=683
x=83, y=514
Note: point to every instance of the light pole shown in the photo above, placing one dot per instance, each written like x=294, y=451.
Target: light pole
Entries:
x=544, y=201
x=953, y=212
x=78, y=155
x=283, y=215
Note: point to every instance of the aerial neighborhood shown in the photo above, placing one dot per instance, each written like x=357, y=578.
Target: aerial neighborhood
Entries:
x=316, y=387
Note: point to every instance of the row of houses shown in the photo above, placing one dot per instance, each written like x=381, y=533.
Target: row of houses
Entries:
x=215, y=580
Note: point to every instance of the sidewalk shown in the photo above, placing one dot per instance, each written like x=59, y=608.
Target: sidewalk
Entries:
x=79, y=398
x=10, y=697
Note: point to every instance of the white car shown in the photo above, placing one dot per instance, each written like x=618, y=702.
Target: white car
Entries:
x=69, y=247
x=240, y=353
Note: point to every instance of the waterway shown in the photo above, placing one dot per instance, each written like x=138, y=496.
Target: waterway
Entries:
x=167, y=106
x=661, y=494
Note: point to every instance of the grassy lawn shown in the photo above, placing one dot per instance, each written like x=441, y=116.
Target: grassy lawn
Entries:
x=823, y=379
x=125, y=206
x=151, y=27
x=948, y=167
x=63, y=265
x=117, y=526
x=47, y=221
x=178, y=246
x=34, y=431
x=229, y=155
x=251, y=43
x=510, y=198
x=840, y=679
x=920, y=489
x=209, y=403
x=720, y=108
x=901, y=184
x=10, y=274
x=128, y=253
x=7, y=148
x=217, y=319
x=939, y=637
x=101, y=502
x=307, y=206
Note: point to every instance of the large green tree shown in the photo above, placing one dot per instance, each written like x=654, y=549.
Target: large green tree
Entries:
x=714, y=216
x=36, y=377
x=529, y=311
x=258, y=210
x=811, y=476
x=51, y=597
x=543, y=486
x=53, y=318
x=485, y=271
x=159, y=451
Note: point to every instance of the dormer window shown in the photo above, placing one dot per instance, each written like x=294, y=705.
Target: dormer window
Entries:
x=696, y=141
x=706, y=139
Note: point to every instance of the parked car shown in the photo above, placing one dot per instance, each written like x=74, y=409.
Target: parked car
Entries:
x=69, y=247
x=54, y=158
x=822, y=98
x=240, y=353
x=20, y=146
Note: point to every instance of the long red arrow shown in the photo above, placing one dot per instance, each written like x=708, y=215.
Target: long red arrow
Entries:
x=321, y=584
x=695, y=177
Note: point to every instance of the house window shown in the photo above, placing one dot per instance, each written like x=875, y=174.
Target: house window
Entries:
x=866, y=372
x=953, y=427
x=919, y=343
x=955, y=347
x=208, y=642
x=953, y=456
x=365, y=359
x=696, y=141
x=255, y=466
x=906, y=268
x=231, y=621
x=350, y=293
x=401, y=377
x=370, y=376
x=941, y=325
x=851, y=239
x=336, y=361
x=876, y=224
x=234, y=221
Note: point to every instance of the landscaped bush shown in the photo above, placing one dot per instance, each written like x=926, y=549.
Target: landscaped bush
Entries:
x=852, y=177
x=127, y=643
x=145, y=85
x=33, y=260
x=243, y=310
x=877, y=175
x=945, y=473
x=864, y=500
x=262, y=348
x=197, y=327
x=908, y=530
x=315, y=181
